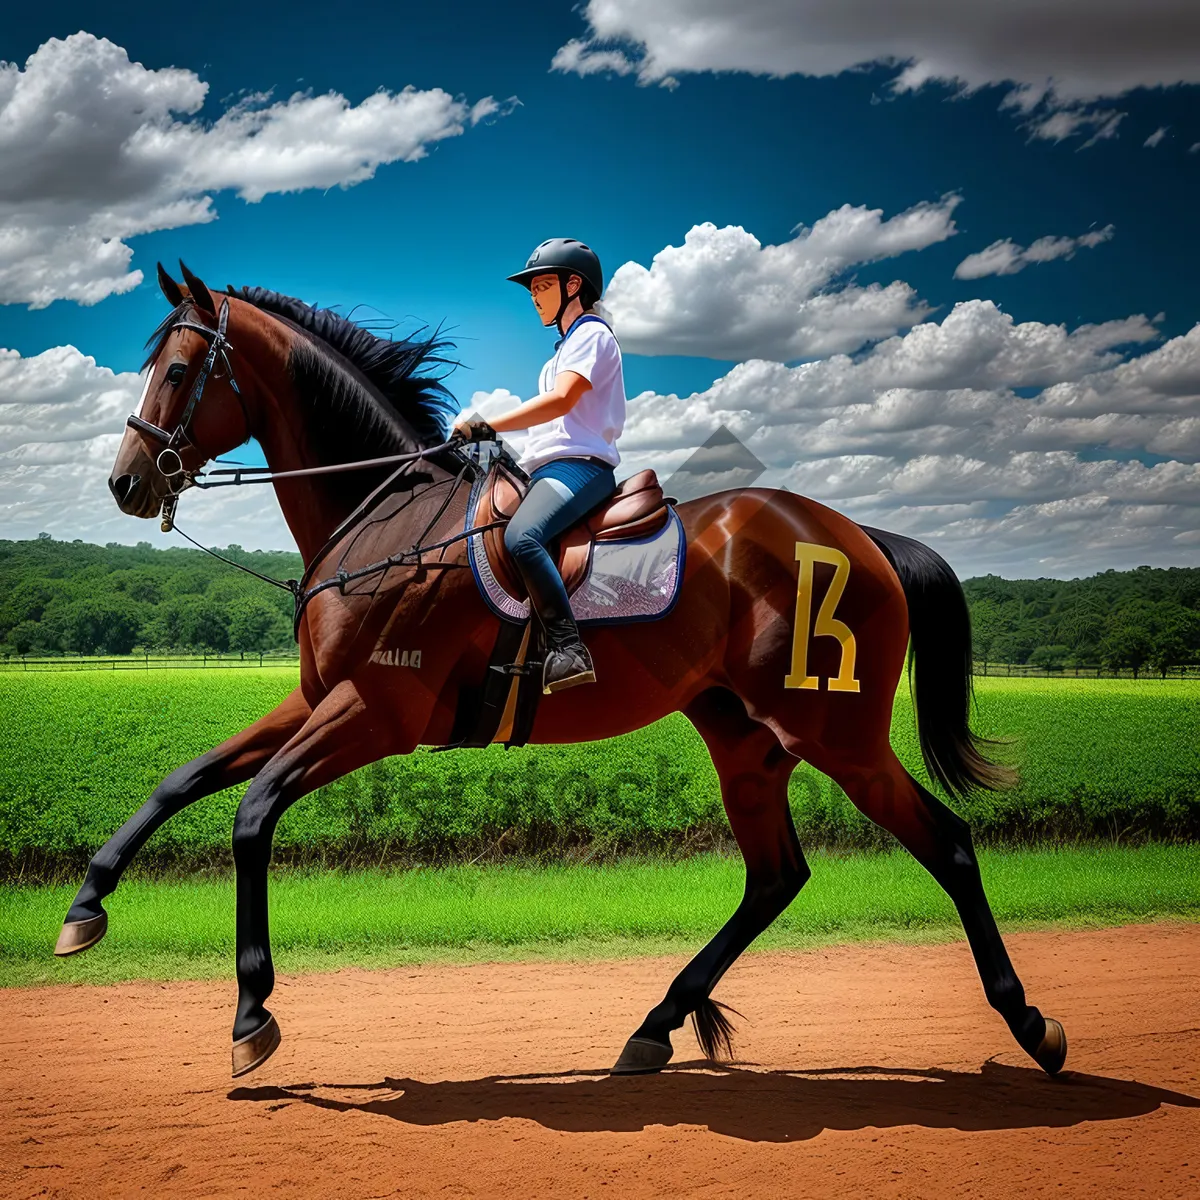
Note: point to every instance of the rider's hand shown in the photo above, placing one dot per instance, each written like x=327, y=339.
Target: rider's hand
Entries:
x=472, y=431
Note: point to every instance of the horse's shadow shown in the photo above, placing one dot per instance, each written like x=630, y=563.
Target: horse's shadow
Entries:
x=755, y=1105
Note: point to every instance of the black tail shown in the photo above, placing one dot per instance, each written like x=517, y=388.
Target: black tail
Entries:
x=939, y=625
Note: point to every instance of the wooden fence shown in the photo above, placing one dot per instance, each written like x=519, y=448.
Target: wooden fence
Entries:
x=146, y=662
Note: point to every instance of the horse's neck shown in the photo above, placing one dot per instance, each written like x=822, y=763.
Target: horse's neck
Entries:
x=312, y=506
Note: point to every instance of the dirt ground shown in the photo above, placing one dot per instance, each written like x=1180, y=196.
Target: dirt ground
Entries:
x=862, y=1071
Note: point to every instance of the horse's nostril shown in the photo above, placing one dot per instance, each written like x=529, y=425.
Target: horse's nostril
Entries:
x=123, y=486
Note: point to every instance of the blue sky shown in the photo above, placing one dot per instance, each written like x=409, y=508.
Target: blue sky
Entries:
x=631, y=168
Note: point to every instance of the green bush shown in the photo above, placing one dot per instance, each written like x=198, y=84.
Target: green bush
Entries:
x=1113, y=759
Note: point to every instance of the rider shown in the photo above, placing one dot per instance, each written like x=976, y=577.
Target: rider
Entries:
x=570, y=455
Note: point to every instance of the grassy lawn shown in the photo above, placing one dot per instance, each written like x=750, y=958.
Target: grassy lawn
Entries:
x=185, y=929
x=80, y=751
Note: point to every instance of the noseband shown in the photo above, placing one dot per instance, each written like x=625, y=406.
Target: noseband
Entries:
x=169, y=462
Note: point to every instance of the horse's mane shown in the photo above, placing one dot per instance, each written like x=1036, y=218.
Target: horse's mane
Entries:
x=365, y=395
x=398, y=403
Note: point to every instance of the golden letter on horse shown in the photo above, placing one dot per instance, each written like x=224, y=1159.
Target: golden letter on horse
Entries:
x=826, y=625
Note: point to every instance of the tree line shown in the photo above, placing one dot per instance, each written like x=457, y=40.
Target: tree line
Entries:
x=1144, y=619
x=74, y=597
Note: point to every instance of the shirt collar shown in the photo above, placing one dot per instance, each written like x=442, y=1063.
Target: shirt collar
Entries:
x=569, y=328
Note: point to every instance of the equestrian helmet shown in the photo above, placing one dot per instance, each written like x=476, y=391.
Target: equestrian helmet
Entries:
x=563, y=256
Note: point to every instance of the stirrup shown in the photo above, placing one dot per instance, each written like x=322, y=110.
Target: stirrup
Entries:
x=585, y=675
x=525, y=668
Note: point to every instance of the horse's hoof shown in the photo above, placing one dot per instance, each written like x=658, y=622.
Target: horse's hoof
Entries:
x=80, y=935
x=1052, y=1050
x=254, y=1049
x=642, y=1056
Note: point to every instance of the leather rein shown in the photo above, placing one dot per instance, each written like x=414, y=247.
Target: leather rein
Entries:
x=170, y=465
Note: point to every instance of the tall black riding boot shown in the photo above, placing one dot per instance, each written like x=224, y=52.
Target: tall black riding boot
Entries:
x=567, y=659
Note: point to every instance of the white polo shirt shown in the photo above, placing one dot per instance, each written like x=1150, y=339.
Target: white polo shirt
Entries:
x=592, y=427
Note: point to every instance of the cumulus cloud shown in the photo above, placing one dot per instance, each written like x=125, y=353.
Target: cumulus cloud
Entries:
x=1057, y=57
x=61, y=421
x=931, y=433
x=60, y=396
x=1007, y=258
x=1012, y=446
x=98, y=149
x=1156, y=137
x=723, y=294
x=927, y=434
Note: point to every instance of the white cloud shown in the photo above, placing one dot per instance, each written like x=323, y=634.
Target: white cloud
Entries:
x=957, y=375
x=926, y=434
x=60, y=396
x=1056, y=56
x=979, y=346
x=923, y=434
x=577, y=57
x=723, y=294
x=1007, y=258
x=1156, y=137
x=1058, y=124
x=1167, y=381
x=98, y=149
x=61, y=422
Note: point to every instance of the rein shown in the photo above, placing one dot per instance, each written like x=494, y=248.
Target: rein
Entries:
x=172, y=468
x=341, y=577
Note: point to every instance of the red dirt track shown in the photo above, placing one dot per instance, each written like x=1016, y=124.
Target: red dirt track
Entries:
x=863, y=1071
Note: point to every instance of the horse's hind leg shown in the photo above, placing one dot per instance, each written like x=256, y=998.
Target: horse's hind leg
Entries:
x=940, y=840
x=234, y=761
x=754, y=770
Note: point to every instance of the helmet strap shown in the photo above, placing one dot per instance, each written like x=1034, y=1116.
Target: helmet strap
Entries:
x=564, y=299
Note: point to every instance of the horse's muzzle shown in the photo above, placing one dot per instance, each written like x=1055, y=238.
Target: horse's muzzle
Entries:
x=123, y=487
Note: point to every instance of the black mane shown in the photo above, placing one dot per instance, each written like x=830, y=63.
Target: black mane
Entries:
x=365, y=394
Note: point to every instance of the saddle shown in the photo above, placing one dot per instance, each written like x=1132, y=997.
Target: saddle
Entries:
x=636, y=509
x=502, y=707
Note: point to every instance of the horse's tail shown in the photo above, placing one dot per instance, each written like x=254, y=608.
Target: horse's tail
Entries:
x=940, y=628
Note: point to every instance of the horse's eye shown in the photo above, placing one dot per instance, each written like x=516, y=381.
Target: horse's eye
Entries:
x=175, y=373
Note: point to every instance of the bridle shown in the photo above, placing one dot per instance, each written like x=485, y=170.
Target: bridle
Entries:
x=168, y=461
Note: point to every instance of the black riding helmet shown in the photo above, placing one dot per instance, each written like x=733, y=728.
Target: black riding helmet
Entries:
x=563, y=257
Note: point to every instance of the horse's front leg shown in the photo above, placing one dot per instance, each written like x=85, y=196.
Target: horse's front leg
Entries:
x=232, y=762
x=338, y=738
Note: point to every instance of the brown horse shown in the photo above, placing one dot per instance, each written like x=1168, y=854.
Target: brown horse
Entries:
x=786, y=643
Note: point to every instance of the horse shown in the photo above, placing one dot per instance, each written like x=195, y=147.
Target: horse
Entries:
x=765, y=680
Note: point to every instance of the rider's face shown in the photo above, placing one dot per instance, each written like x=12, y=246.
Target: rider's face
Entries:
x=547, y=295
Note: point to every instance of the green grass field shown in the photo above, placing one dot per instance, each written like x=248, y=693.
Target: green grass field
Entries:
x=79, y=752
x=322, y=920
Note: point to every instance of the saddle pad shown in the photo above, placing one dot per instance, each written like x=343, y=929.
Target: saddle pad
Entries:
x=633, y=579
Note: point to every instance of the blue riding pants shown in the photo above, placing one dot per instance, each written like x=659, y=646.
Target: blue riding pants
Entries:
x=560, y=493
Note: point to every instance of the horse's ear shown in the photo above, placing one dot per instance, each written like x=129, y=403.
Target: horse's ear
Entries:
x=201, y=296
x=170, y=288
